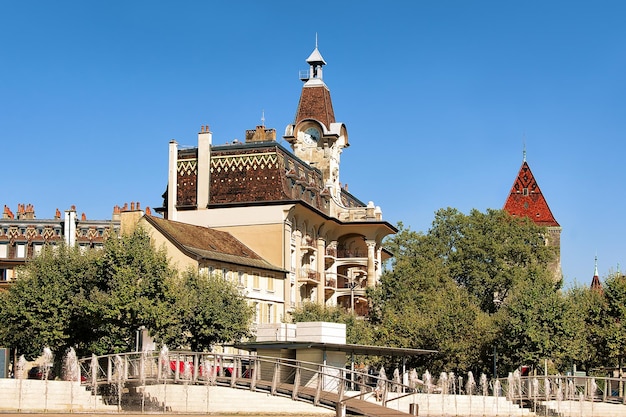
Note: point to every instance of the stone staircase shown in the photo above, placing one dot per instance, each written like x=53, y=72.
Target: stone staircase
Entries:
x=28, y=395
x=457, y=405
x=572, y=408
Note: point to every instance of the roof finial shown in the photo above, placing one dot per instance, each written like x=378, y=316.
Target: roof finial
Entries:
x=595, y=270
x=315, y=40
x=524, y=146
x=263, y=118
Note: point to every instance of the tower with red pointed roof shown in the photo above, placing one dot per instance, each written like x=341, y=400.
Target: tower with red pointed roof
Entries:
x=527, y=200
x=595, y=281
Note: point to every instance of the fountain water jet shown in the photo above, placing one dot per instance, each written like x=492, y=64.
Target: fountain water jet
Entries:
x=470, y=385
x=94, y=367
x=71, y=371
x=120, y=378
x=429, y=387
x=484, y=387
x=47, y=359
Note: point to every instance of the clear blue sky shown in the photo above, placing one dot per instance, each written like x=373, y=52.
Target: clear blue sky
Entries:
x=439, y=98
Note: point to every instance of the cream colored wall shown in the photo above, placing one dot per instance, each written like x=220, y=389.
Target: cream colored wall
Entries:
x=258, y=227
x=177, y=259
x=266, y=240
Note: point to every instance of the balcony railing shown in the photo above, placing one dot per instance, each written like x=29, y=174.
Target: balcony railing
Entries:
x=308, y=275
x=351, y=253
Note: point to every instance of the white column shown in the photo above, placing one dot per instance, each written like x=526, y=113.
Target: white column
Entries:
x=172, y=180
x=205, y=139
x=69, y=229
x=321, y=293
x=371, y=265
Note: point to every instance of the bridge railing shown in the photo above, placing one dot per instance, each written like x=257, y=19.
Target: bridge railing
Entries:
x=563, y=388
x=279, y=376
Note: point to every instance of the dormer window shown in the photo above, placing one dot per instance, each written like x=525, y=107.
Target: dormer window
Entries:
x=525, y=191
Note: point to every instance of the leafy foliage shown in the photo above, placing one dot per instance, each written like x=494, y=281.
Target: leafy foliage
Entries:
x=95, y=301
x=206, y=310
x=446, y=286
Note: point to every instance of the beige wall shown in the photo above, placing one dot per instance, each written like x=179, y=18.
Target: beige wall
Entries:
x=265, y=239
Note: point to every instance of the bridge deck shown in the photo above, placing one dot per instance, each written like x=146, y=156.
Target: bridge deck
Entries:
x=329, y=399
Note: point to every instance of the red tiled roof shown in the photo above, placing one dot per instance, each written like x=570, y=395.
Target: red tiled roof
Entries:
x=315, y=103
x=595, y=283
x=206, y=243
x=526, y=199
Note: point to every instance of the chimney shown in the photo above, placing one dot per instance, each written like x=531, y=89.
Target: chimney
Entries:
x=172, y=181
x=205, y=138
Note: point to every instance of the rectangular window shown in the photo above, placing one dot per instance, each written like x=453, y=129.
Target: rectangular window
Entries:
x=270, y=313
x=225, y=273
x=37, y=249
x=257, y=312
x=21, y=250
x=4, y=250
x=270, y=284
x=255, y=282
x=3, y=274
x=242, y=279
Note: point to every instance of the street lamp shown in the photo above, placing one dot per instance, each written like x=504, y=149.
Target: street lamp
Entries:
x=352, y=286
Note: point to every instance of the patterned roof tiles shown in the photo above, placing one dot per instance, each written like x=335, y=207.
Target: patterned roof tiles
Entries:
x=526, y=199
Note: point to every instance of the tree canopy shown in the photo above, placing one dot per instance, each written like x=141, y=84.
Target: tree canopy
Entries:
x=446, y=288
x=96, y=300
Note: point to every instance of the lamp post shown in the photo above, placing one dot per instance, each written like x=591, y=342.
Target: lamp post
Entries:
x=352, y=287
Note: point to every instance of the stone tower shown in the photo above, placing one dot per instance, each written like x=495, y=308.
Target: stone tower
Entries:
x=527, y=200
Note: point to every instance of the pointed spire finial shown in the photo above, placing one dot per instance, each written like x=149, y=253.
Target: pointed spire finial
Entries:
x=315, y=40
x=595, y=270
x=524, y=146
x=263, y=118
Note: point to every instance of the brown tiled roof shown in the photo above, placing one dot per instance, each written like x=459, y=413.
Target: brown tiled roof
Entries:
x=315, y=103
x=526, y=199
x=595, y=283
x=206, y=243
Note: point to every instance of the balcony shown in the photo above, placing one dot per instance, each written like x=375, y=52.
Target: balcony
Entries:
x=308, y=276
x=308, y=244
x=351, y=253
x=330, y=257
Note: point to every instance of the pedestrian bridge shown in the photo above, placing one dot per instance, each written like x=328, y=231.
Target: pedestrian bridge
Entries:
x=195, y=382
x=133, y=380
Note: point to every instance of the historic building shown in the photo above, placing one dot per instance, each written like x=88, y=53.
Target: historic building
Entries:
x=288, y=206
x=215, y=252
x=23, y=235
x=527, y=200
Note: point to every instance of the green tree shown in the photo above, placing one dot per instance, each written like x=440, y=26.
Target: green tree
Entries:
x=96, y=301
x=615, y=293
x=419, y=306
x=445, y=288
x=490, y=253
x=40, y=307
x=205, y=310
x=130, y=290
x=536, y=323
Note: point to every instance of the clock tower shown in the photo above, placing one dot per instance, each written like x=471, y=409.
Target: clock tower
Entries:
x=315, y=136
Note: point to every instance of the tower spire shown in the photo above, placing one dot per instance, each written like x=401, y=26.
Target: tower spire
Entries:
x=524, y=147
x=595, y=281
